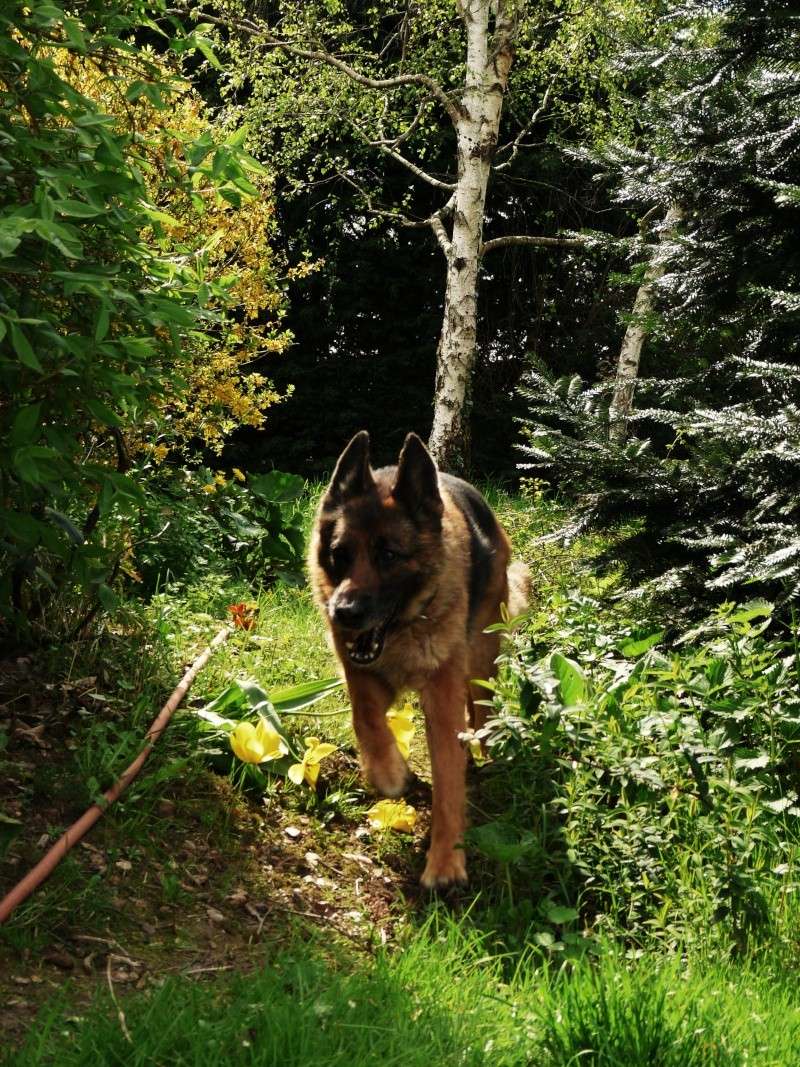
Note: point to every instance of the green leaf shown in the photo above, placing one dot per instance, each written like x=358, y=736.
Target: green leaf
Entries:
x=558, y=914
x=277, y=486
x=77, y=209
x=202, y=44
x=22, y=347
x=107, y=597
x=232, y=697
x=23, y=528
x=571, y=680
x=27, y=467
x=753, y=609
x=292, y=698
x=24, y=429
x=502, y=842
x=632, y=649
x=101, y=411
x=216, y=720
x=102, y=323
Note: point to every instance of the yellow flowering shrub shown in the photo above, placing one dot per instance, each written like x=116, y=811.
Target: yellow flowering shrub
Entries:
x=223, y=385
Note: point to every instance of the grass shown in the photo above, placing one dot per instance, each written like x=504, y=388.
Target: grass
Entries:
x=437, y=998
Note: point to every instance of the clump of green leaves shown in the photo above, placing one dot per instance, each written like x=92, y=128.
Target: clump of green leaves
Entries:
x=658, y=786
x=249, y=527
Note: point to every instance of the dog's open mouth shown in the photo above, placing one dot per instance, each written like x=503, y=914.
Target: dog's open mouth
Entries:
x=367, y=646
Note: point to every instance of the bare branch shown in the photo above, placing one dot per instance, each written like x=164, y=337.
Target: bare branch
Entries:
x=393, y=142
x=436, y=223
x=416, y=170
x=535, y=242
x=380, y=212
x=516, y=144
x=318, y=56
x=385, y=146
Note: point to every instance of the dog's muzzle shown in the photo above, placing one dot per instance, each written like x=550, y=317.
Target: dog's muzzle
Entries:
x=367, y=646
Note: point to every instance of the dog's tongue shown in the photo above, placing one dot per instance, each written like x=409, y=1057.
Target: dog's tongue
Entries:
x=367, y=646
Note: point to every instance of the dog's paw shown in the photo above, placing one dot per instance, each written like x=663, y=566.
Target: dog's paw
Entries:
x=444, y=869
x=387, y=776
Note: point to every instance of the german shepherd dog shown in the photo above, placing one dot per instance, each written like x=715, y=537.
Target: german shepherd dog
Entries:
x=409, y=566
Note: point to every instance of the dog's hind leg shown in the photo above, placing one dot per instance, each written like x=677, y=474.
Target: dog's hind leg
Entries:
x=444, y=700
x=383, y=766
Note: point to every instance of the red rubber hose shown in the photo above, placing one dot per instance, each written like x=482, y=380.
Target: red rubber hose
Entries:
x=22, y=890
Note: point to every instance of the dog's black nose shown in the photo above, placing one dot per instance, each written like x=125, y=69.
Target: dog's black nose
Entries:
x=349, y=614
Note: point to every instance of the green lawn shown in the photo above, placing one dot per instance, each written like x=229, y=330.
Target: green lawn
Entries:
x=436, y=998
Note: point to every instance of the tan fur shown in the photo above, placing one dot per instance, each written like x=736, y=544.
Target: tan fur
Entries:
x=432, y=651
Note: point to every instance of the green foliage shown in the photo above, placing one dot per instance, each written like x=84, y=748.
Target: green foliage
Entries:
x=93, y=316
x=199, y=519
x=714, y=472
x=356, y=336
x=660, y=787
x=245, y=701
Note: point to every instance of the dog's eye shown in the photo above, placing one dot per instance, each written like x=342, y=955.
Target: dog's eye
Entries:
x=340, y=557
x=387, y=556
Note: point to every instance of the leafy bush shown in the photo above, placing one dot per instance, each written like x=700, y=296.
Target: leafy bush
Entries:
x=715, y=489
x=656, y=790
x=251, y=528
x=97, y=308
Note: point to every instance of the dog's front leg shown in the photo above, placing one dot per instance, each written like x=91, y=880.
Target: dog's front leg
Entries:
x=444, y=702
x=383, y=766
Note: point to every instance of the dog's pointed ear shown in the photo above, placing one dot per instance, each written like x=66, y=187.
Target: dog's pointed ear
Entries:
x=417, y=483
x=352, y=476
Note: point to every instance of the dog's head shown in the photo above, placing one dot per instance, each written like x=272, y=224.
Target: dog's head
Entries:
x=377, y=545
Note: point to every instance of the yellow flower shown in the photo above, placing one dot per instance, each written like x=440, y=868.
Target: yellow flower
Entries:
x=257, y=743
x=476, y=750
x=392, y=815
x=209, y=488
x=308, y=770
x=159, y=452
x=220, y=479
x=401, y=723
x=238, y=474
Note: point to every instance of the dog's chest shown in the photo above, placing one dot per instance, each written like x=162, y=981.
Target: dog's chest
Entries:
x=416, y=652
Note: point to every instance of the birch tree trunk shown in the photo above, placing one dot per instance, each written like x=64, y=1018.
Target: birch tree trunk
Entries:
x=489, y=58
x=630, y=353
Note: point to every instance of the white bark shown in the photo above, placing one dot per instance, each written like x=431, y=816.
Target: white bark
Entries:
x=489, y=58
x=635, y=335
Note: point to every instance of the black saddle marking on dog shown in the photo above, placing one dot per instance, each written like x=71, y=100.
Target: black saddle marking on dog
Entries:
x=482, y=526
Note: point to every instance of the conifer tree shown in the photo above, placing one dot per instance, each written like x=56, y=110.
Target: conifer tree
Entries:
x=713, y=459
